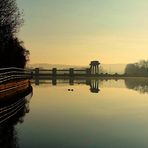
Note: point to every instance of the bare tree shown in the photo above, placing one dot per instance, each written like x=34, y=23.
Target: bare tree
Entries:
x=12, y=51
x=10, y=18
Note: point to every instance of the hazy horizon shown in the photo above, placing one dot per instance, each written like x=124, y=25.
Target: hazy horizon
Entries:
x=67, y=31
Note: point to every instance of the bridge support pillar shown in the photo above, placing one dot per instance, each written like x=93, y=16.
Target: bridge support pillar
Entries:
x=88, y=71
x=36, y=71
x=71, y=72
x=37, y=76
x=54, y=71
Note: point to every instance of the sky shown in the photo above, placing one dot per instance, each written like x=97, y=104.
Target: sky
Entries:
x=77, y=31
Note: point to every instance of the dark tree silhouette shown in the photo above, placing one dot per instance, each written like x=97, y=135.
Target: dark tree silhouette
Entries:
x=10, y=18
x=137, y=69
x=8, y=132
x=12, y=52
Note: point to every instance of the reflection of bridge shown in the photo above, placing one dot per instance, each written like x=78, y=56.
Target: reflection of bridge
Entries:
x=70, y=75
x=93, y=83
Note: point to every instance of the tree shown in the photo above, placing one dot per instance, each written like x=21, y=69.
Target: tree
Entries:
x=14, y=55
x=12, y=52
x=10, y=18
x=137, y=69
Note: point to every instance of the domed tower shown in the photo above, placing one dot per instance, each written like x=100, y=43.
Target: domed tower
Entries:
x=94, y=67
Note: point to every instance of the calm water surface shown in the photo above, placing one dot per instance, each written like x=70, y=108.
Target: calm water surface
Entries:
x=115, y=117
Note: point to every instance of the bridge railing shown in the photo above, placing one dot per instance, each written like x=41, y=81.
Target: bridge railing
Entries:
x=60, y=72
x=12, y=73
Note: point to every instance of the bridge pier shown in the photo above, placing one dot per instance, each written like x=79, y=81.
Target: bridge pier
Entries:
x=37, y=76
x=37, y=71
x=71, y=72
x=54, y=71
x=88, y=72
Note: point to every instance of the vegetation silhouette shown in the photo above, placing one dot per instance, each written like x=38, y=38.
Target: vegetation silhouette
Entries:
x=140, y=85
x=8, y=133
x=137, y=69
x=12, y=51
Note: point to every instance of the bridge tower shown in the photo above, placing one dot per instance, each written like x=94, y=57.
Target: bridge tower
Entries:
x=94, y=67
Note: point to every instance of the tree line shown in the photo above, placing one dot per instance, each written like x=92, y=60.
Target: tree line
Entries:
x=12, y=51
x=137, y=69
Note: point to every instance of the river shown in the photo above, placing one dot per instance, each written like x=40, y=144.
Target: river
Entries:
x=88, y=114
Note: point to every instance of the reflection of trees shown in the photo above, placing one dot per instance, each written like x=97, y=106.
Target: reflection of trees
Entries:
x=8, y=134
x=140, y=85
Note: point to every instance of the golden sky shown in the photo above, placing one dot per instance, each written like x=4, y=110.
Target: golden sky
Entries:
x=77, y=31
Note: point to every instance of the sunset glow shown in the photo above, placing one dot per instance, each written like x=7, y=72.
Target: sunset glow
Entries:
x=77, y=31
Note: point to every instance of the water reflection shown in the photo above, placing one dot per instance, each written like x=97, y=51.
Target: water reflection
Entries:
x=93, y=83
x=140, y=85
x=12, y=111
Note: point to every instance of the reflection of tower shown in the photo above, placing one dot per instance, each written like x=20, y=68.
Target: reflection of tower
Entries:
x=94, y=86
x=94, y=67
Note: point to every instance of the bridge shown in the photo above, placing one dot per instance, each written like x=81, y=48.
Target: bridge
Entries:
x=16, y=79
x=93, y=70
